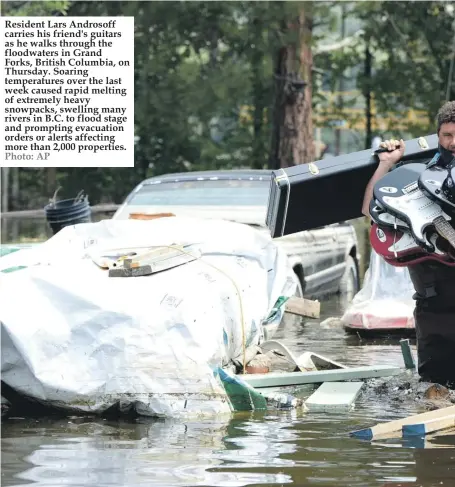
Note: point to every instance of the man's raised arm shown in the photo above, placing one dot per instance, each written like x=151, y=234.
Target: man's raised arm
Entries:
x=386, y=161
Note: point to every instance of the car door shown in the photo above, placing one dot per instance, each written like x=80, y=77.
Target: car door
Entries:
x=328, y=251
x=317, y=256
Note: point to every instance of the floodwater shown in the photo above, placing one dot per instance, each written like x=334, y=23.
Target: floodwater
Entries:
x=273, y=448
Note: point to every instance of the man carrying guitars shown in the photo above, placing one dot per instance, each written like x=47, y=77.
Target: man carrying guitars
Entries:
x=433, y=281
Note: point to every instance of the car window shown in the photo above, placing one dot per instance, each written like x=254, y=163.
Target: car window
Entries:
x=203, y=192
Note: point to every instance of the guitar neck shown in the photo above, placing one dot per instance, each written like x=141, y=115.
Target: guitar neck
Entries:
x=444, y=229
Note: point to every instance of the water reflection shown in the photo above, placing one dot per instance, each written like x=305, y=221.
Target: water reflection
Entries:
x=274, y=448
x=334, y=342
x=261, y=441
x=144, y=452
x=249, y=449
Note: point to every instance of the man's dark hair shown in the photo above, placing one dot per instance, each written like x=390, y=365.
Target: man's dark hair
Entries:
x=446, y=114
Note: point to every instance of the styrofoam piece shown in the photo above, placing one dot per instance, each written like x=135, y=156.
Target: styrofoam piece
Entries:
x=334, y=396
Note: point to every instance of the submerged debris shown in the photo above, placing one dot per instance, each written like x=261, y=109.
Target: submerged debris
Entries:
x=331, y=322
x=408, y=388
x=260, y=364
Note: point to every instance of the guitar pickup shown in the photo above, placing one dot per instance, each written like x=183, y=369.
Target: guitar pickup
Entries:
x=410, y=188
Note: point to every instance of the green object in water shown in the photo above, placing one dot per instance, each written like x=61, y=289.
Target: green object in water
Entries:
x=242, y=396
x=279, y=303
x=407, y=354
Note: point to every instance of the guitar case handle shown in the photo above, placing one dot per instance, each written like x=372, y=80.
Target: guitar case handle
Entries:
x=384, y=149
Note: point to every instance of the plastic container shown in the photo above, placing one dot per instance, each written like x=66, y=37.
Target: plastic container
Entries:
x=62, y=213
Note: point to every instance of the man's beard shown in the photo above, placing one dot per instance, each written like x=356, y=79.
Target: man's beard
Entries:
x=447, y=157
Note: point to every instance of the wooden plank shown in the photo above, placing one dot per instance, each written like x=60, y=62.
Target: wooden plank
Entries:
x=382, y=430
x=334, y=396
x=276, y=379
x=303, y=307
x=156, y=260
x=429, y=426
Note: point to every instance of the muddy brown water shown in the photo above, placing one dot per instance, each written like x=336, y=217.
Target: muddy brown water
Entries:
x=273, y=448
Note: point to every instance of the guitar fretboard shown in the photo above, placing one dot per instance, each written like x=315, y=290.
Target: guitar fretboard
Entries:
x=445, y=229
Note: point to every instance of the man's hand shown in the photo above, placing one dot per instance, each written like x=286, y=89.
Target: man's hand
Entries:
x=386, y=162
x=390, y=158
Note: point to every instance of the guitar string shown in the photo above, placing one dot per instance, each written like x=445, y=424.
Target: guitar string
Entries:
x=395, y=237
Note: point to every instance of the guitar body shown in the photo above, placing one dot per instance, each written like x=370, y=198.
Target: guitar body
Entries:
x=384, y=219
x=399, y=194
x=394, y=246
x=400, y=249
x=431, y=182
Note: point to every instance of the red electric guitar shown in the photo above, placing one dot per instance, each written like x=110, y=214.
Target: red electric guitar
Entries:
x=400, y=249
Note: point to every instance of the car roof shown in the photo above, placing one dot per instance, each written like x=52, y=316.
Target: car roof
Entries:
x=246, y=174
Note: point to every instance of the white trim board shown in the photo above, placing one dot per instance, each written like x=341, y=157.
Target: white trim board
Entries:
x=281, y=379
x=394, y=428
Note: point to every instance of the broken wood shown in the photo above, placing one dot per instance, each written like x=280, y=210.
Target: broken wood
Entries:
x=303, y=307
x=429, y=426
x=391, y=428
x=156, y=260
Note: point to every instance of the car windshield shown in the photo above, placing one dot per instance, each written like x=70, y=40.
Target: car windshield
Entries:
x=203, y=192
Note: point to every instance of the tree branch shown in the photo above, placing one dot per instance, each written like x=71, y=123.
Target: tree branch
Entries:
x=403, y=37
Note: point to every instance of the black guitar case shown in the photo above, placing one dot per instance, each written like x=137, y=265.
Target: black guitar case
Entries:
x=331, y=190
